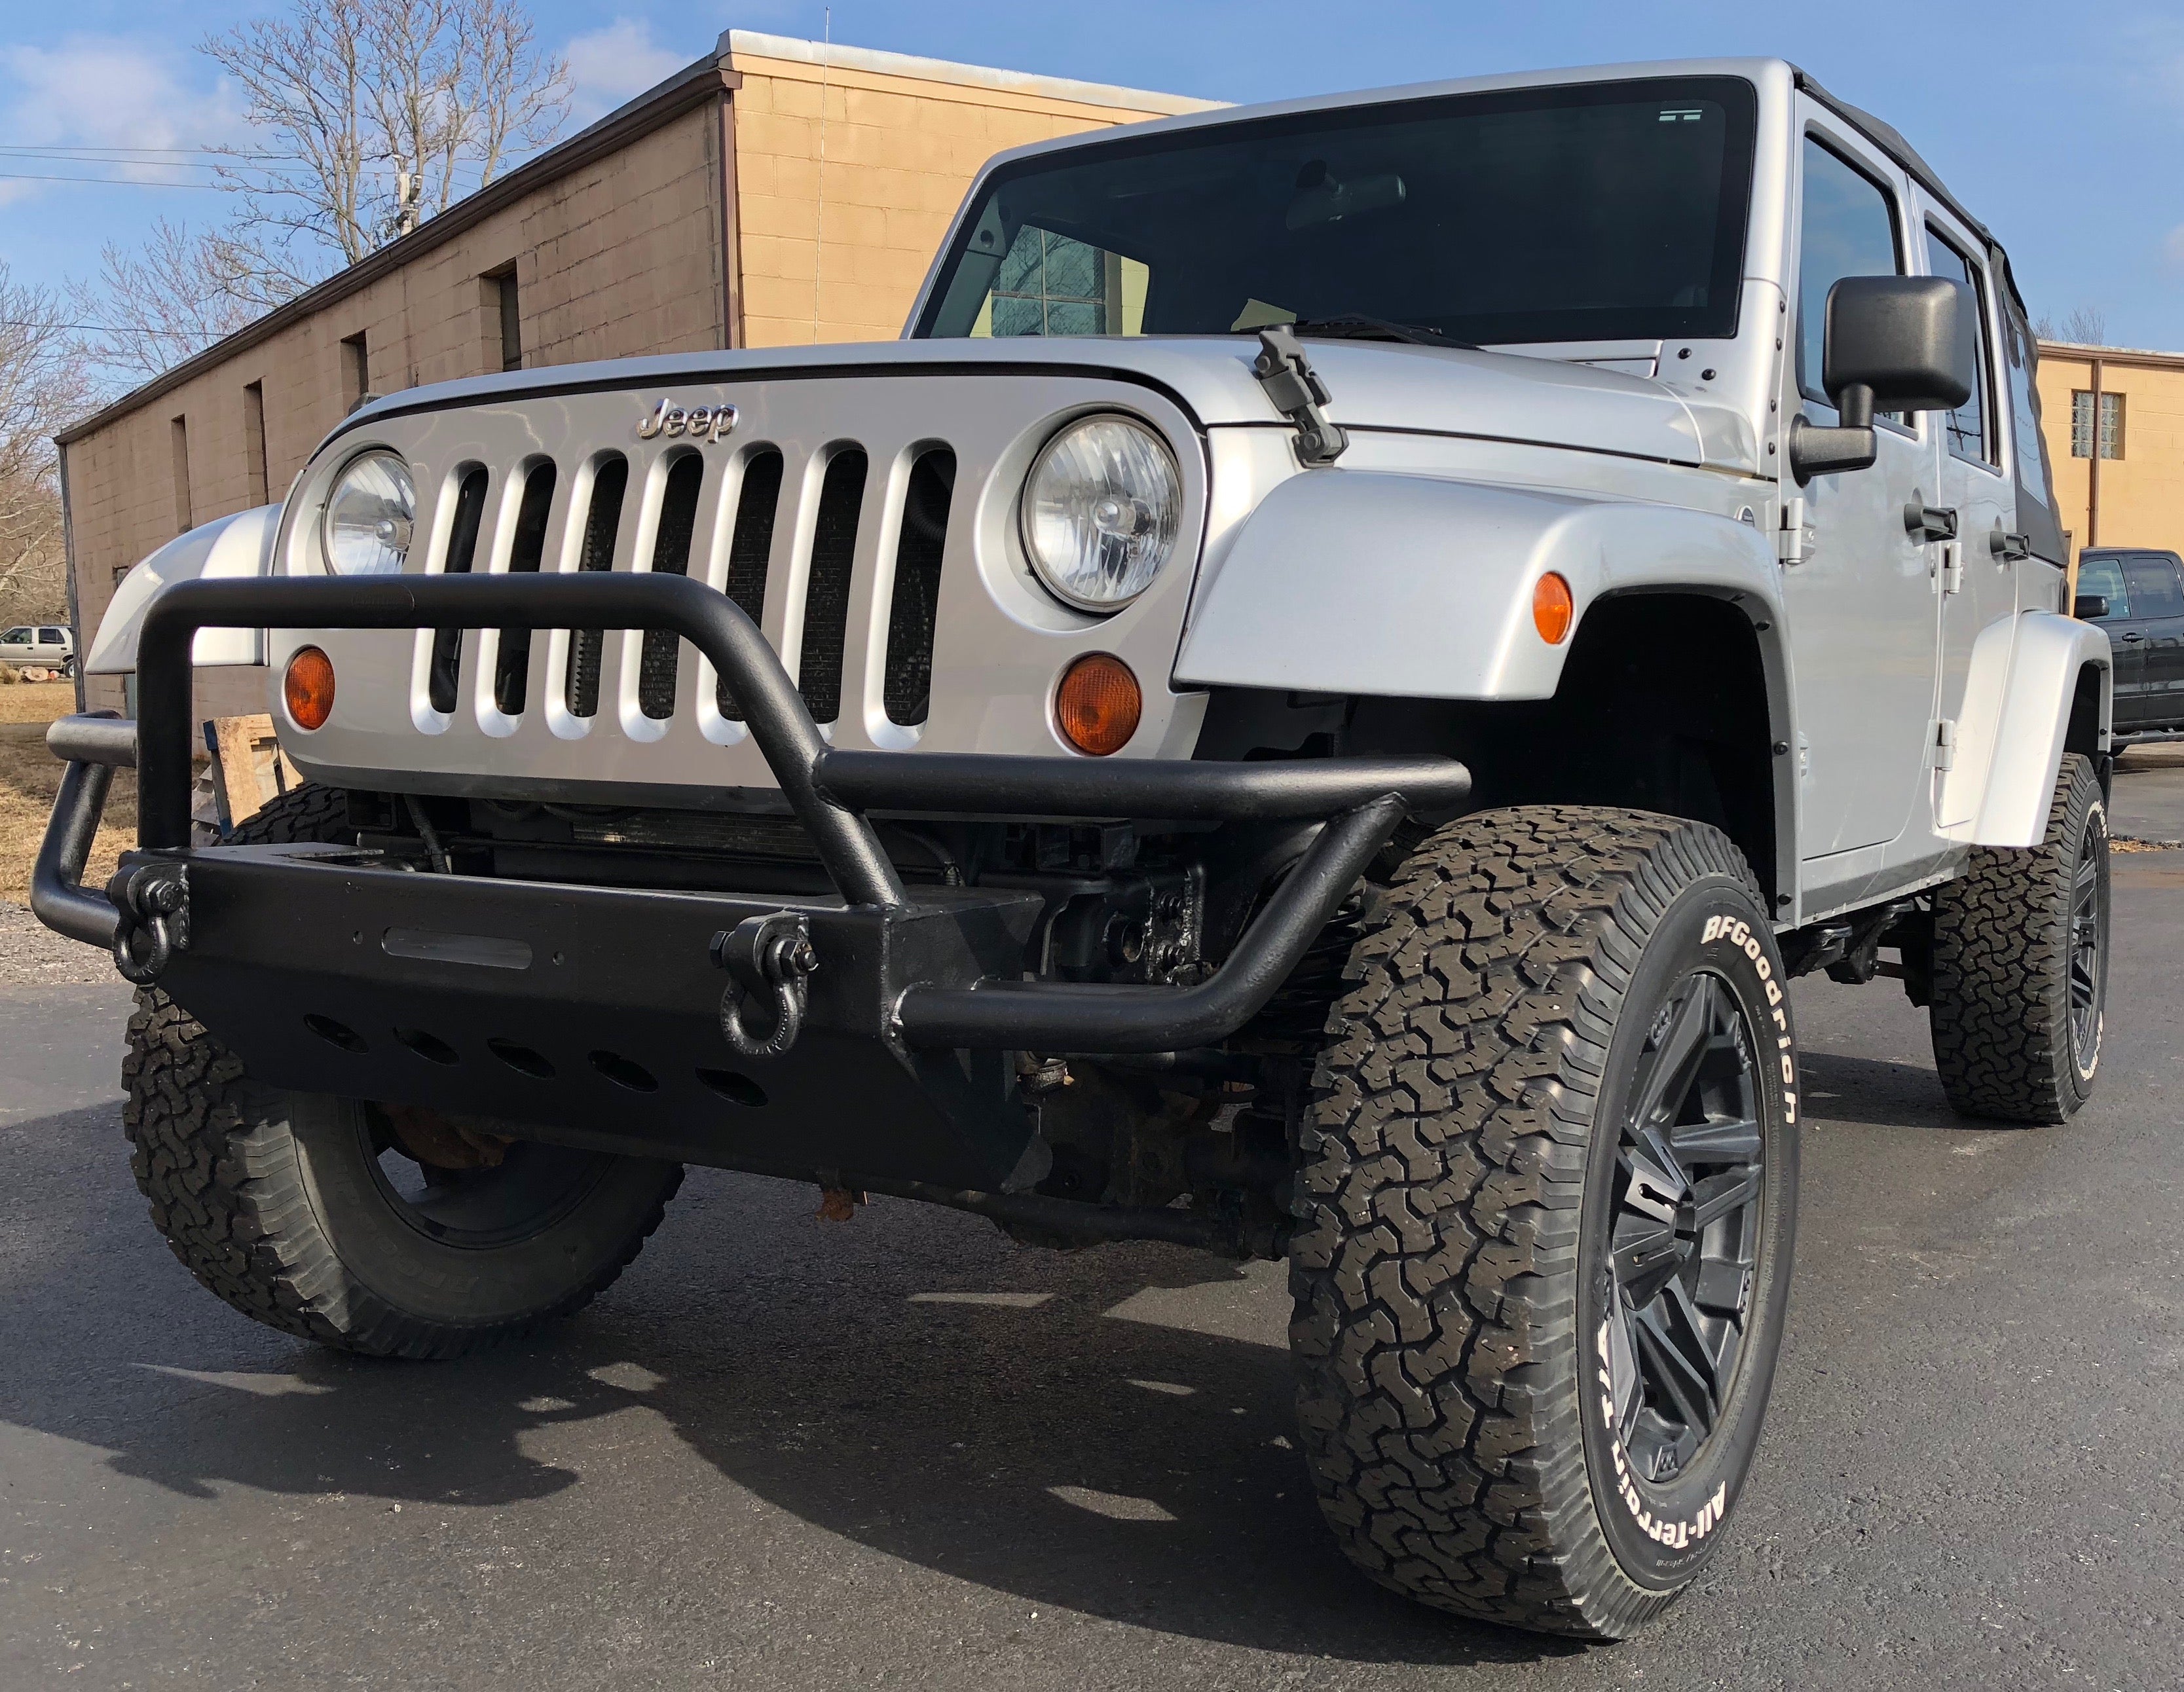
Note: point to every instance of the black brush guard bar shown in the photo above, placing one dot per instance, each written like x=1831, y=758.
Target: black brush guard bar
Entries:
x=1363, y=799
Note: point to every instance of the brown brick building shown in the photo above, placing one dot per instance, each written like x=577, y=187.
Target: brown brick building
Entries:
x=692, y=217
x=2132, y=494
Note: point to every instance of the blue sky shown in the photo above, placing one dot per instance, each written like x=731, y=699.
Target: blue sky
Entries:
x=2062, y=126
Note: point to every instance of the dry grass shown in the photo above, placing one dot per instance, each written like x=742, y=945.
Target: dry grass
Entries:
x=28, y=776
x=37, y=701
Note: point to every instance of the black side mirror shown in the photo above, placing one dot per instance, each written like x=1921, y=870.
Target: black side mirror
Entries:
x=1891, y=343
x=2090, y=607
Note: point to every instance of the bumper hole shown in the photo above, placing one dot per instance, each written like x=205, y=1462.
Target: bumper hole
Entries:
x=429, y=1047
x=737, y=1089
x=520, y=1058
x=623, y=1072
x=335, y=1033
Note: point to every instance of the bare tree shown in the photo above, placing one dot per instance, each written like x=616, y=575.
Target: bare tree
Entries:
x=42, y=388
x=2087, y=325
x=373, y=115
x=164, y=302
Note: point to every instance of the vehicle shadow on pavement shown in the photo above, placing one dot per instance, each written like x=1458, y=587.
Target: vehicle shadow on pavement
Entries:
x=1876, y=1092
x=1109, y=1431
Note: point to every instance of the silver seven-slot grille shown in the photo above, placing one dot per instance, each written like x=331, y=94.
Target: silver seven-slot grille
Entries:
x=922, y=530
x=865, y=522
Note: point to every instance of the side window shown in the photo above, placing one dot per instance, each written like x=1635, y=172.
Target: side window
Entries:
x=1849, y=230
x=1969, y=430
x=2036, y=502
x=17, y=636
x=2155, y=591
x=2104, y=576
x=51, y=638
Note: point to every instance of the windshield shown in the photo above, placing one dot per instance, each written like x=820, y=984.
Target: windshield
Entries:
x=1598, y=212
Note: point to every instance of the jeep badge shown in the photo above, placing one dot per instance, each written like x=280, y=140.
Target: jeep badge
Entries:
x=700, y=423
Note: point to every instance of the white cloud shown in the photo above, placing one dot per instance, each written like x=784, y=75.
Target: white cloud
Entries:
x=614, y=63
x=108, y=91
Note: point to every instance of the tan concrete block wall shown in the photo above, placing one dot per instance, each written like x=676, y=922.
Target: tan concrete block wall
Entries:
x=621, y=257
x=2142, y=493
x=900, y=151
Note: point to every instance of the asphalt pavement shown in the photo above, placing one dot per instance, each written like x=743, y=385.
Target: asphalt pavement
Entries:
x=2148, y=796
x=903, y=1451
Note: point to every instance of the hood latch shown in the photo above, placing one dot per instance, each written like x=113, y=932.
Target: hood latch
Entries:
x=1298, y=393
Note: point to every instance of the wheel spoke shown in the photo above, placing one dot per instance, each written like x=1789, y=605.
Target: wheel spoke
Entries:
x=1652, y=1189
x=1677, y=1365
x=1735, y=1142
x=1646, y=1252
x=1718, y=1195
x=1696, y=1341
x=1676, y=1059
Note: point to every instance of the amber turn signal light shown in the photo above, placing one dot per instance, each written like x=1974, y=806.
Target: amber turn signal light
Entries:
x=308, y=688
x=1098, y=704
x=1552, y=607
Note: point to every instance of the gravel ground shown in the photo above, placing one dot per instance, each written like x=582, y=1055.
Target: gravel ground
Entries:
x=33, y=955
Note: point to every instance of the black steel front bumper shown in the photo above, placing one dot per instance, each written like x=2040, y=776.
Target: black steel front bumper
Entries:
x=595, y=1015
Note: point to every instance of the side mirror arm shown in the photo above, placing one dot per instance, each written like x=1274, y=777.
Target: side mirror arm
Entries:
x=1850, y=445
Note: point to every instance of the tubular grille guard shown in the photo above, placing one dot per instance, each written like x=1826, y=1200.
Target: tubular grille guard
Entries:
x=1363, y=799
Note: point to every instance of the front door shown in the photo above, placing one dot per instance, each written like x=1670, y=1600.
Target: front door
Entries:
x=1859, y=593
x=2157, y=606
x=2100, y=576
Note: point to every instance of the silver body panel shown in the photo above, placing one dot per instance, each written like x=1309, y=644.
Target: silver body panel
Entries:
x=1405, y=569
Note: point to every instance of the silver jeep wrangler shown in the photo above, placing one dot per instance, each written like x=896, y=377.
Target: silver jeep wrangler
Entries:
x=1309, y=708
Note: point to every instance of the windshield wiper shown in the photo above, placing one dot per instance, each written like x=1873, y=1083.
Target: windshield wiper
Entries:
x=1353, y=326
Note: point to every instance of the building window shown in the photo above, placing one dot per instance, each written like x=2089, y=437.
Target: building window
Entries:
x=2081, y=425
x=178, y=437
x=1050, y=285
x=504, y=318
x=356, y=371
x=253, y=440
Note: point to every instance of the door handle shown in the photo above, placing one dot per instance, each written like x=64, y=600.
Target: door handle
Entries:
x=1929, y=522
x=2133, y=639
x=2007, y=547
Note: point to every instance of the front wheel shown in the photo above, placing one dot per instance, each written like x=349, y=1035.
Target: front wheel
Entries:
x=379, y=1229
x=1548, y=1202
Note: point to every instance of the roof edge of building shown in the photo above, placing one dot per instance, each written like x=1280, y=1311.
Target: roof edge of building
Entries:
x=689, y=86
x=790, y=49
x=2126, y=355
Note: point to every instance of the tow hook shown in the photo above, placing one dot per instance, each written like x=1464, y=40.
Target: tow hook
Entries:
x=768, y=958
x=154, y=900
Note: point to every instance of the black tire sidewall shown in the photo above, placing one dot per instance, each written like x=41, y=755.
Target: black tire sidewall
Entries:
x=455, y=1286
x=1661, y=1535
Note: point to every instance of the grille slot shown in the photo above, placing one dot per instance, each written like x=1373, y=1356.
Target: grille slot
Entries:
x=749, y=546
x=670, y=556
x=602, y=522
x=908, y=680
x=441, y=688
x=512, y=667
x=826, y=588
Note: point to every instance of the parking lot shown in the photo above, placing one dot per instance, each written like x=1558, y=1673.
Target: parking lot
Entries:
x=902, y=1451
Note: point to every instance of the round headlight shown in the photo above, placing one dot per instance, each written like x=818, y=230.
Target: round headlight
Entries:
x=370, y=516
x=1099, y=513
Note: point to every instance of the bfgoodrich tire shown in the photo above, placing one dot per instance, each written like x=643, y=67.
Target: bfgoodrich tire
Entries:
x=1548, y=1202
x=315, y=1215
x=2021, y=965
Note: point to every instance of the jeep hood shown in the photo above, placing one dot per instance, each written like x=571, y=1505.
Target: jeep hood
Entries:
x=1376, y=386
